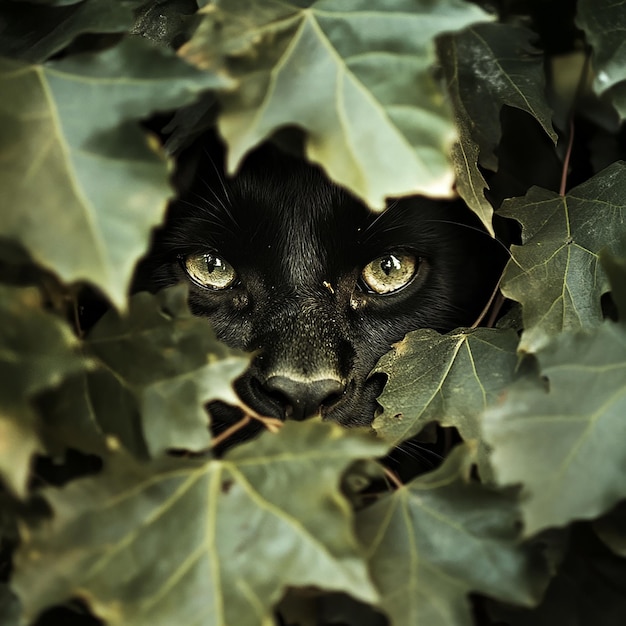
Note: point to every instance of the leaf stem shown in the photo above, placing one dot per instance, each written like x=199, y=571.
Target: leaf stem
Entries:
x=568, y=154
x=272, y=424
x=582, y=81
x=73, y=297
x=499, y=300
x=230, y=431
x=397, y=483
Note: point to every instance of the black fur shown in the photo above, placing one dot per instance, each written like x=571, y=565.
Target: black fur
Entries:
x=299, y=244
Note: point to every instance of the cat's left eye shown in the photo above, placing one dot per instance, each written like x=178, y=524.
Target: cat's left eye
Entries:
x=390, y=272
x=210, y=271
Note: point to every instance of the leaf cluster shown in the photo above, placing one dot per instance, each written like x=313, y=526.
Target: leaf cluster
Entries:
x=116, y=505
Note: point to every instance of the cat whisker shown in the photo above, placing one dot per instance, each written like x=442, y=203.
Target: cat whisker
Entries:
x=475, y=229
x=221, y=207
x=215, y=195
x=211, y=214
x=219, y=175
x=372, y=226
x=418, y=452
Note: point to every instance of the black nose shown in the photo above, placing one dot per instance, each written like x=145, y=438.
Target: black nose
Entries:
x=302, y=398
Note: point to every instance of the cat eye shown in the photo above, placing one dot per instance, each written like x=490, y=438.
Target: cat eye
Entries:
x=390, y=272
x=209, y=271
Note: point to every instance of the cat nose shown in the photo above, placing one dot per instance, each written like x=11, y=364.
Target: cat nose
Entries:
x=303, y=398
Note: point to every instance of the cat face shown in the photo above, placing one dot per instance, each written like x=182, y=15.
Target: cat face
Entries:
x=293, y=268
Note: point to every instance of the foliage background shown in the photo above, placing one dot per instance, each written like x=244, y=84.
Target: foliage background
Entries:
x=115, y=509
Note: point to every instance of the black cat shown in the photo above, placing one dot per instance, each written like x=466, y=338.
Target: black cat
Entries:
x=288, y=265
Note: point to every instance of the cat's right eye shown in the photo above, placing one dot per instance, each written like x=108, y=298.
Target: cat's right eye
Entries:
x=209, y=271
x=390, y=273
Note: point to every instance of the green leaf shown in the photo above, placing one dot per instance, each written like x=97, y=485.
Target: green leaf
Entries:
x=616, y=271
x=69, y=419
x=486, y=67
x=471, y=183
x=9, y=607
x=177, y=542
x=565, y=445
x=34, y=33
x=611, y=529
x=357, y=79
x=489, y=66
x=154, y=370
x=47, y=2
x=159, y=366
x=589, y=588
x=556, y=274
x=604, y=23
x=81, y=192
x=37, y=351
x=441, y=537
x=449, y=378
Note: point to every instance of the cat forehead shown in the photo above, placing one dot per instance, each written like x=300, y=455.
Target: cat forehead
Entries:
x=292, y=212
x=281, y=200
x=285, y=187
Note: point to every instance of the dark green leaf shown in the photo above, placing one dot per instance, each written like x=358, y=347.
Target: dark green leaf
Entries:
x=611, y=529
x=588, y=589
x=154, y=369
x=449, y=378
x=159, y=366
x=565, y=445
x=488, y=66
x=556, y=274
x=82, y=192
x=441, y=537
x=70, y=420
x=604, y=23
x=188, y=123
x=34, y=33
x=356, y=78
x=9, y=607
x=213, y=543
x=47, y=2
x=616, y=272
x=470, y=181
x=37, y=351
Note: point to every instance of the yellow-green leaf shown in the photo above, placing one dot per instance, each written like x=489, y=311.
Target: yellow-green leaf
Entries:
x=37, y=351
x=80, y=188
x=441, y=537
x=358, y=79
x=563, y=442
x=210, y=543
x=156, y=368
x=556, y=273
x=449, y=378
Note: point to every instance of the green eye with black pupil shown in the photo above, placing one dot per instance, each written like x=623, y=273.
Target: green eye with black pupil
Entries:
x=210, y=271
x=390, y=272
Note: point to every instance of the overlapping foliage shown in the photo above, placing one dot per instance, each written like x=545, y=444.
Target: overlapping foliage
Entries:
x=114, y=503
